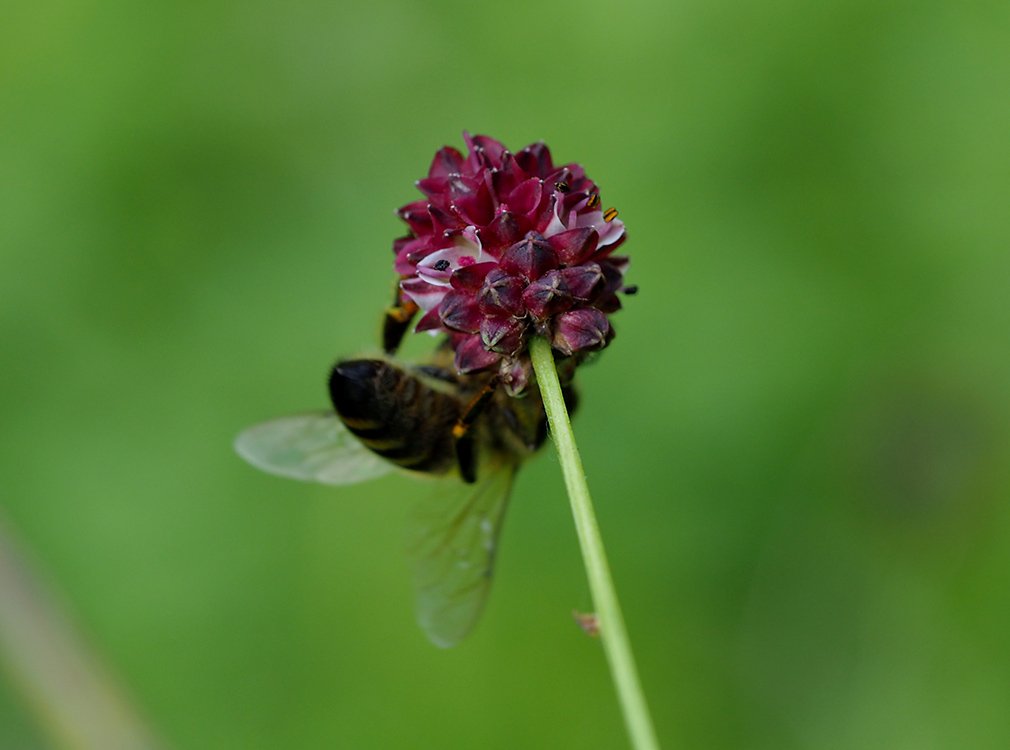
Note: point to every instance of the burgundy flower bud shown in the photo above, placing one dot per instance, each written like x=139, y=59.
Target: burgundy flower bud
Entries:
x=575, y=246
x=471, y=355
x=535, y=159
x=470, y=278
x=503, y=231
x=413, y=253
x=459, y=311
x=433, y=187
x=441, y=221
x=489, y=147
x=430, y=321
x=417, y=217
x=461, y=185
x=505, y=179
x=581, y=330
x=502, y=335
x=547, y=296
x=584, y=281
x=515, y=374
x=503, y=244
x=501, y=294
x=447, y=161
x=526, y=197
x=408, y=250
x=531, y=257
x=475, y=206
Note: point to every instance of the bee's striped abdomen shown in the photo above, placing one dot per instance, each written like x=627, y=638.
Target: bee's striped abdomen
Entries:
x=395, y=414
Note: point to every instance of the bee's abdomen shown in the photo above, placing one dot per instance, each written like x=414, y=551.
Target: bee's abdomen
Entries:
x=395, y=414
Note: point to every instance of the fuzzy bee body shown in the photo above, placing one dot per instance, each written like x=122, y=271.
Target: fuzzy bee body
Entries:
x=407, y=415
x=401, y=415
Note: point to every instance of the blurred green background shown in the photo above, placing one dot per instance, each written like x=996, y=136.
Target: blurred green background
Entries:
x=797, y=443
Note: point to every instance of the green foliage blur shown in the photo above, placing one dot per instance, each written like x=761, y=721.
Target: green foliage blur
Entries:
x=797, y=442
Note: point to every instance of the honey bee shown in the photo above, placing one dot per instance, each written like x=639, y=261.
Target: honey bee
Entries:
x=430, y=421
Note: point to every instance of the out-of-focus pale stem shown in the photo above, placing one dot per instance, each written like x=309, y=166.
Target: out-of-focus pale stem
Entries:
x=76, y=700
x=611, y=623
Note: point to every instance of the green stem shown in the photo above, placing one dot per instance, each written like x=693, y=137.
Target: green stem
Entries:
x=616, y=645
x=77, y=700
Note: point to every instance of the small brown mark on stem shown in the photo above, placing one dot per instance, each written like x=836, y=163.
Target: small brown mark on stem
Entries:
x=588, y=621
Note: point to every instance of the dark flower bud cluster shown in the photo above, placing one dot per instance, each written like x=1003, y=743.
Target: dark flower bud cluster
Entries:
x=505, y=246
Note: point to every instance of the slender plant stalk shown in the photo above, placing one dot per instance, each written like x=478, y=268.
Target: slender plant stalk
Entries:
x=75, y=697
x=611, y=623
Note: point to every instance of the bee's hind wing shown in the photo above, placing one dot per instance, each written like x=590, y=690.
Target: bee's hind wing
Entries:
x=313, y=447
x=453, y=537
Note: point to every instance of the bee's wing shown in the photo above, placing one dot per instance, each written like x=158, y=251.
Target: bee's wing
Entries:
x=453, y=536
x=313, y=447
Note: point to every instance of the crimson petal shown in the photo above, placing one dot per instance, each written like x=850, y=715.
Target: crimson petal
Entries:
x=535, y=160
x=526, y=196
x=470, y=278
x=417, y=217
x=502, y=335
x=447, y=160
x=489, y=146
x=459, y=311
x=575, y=245
x=584, y=281
x=530, y=257
x=547, y=296
x=429, y=321
x=581, y=330
x=471, y=354
x=502, y=232
x=501, y=293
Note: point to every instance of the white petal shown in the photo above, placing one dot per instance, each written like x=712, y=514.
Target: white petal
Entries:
x=609, y=231
x=425, y=295
x=556, y=226
x=465, y=245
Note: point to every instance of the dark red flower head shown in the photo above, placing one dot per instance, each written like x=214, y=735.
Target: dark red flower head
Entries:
x=505, y=246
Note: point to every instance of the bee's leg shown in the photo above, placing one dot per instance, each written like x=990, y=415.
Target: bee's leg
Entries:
x=461, y=433
x=397, y=321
